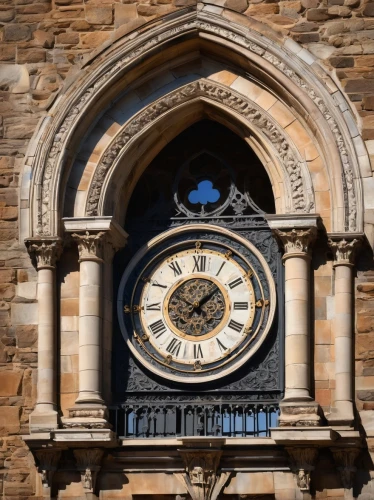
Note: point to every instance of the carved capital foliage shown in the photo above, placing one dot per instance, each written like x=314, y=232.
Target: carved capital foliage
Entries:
x=344, y=250
x=302, y=463
x=90, y=245
x=201, y=477
x=89, y=464
x=296, y=240
x=45, y=251
x=344, y=460
x=48, y=460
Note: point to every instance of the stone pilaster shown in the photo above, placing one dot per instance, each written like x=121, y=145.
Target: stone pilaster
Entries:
x=295, y=235
x=44, y=252
x=93, y=237
x=302, y=464
x=343, y=247
x=89, y=464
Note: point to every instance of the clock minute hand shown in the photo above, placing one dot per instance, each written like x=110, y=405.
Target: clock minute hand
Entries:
x=208, y=295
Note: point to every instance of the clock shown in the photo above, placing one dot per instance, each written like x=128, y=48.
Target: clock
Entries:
x=196, y=303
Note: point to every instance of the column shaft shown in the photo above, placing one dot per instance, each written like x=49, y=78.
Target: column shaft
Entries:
x=90, y=322
x=297, y=368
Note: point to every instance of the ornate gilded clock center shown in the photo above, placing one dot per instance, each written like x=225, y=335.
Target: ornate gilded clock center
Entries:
x=197, y=307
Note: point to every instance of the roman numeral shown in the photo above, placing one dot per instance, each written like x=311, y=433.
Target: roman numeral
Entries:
x=175, y=267
x=235, y=326
x=221, y=346
x=153, y=307
x=220, y=269
x=158, y=284
x=200, y=263
x=174, y=347
x=197, y=352
x=235, y=283
x=158, y=328
x=240, y=306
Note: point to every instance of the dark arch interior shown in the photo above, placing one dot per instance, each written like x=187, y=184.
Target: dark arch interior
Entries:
x=207, y=170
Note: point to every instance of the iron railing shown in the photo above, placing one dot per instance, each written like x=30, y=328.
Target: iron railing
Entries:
x=172, y=420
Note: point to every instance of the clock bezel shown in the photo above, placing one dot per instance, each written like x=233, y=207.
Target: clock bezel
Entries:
x=235, y=363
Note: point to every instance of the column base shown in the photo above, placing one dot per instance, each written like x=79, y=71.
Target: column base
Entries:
x=299, y=414
x=87, y=416
x=342, y=414
x=43, y=421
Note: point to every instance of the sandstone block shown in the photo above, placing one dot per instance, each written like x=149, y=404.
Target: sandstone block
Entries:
x=304, y=26
x=7, y=276
x=262, y=9
x=310, y=4
x=81, y=25
x=99, y=14
x=9, y=420
x=8, y=213
x=93, y=40
x=24, y=314
x=69, y=38
x=27, y=290
x=7, y=13
x=16, y=32
x=342, y=62
x=237, y=5
x=369, y=9
x=26, y=335
x=30, y=56
x=124, y=13
x=7, y=291
x=339, y=11
x=317, y=14
x=8, y=53
x=43, y=39
x=307, y=37
x=10, y=382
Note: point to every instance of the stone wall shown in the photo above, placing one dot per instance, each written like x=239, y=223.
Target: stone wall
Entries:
x=42, y=44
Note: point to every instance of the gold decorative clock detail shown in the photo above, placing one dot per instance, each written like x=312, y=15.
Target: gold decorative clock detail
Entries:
x=196, y=308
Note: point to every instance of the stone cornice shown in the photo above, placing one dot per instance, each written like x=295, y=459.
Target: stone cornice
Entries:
x=44, y=250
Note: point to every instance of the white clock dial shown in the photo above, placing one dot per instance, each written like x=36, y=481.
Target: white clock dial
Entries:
x=197, y=306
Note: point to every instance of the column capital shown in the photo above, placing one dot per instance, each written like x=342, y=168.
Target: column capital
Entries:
x=44, y=250
x=344, y=246
x=294, y=232
x=94, y=235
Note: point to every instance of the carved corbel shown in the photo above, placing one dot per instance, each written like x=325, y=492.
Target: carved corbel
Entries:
x=344, y=459
x=302, y=464
x=44, y=251
x=89, y=464
x=201, y=478
x=48, y=459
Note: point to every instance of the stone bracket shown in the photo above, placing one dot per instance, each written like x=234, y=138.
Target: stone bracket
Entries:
x=344, y=459
x=302, y=464
x=88, y=464
x=47, y=461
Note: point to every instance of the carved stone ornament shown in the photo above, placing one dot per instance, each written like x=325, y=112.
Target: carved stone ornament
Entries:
x=89, y=464
x=201, y=478
x=90, y=245
x=344, y=459
x=200, y=21
x=48, y=460
x=296, y=241
x=343, y=250
x=44, y=251
x=300, y=192
x=302, y=464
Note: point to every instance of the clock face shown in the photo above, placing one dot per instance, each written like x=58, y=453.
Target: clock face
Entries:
x=197, y=306
x=194, y=306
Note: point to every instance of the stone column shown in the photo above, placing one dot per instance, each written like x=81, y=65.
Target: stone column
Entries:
x=298, y=407
x=91, y=236
x=343, y=247
x=45, y=251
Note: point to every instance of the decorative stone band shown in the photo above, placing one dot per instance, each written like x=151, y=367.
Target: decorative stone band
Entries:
x=295, y=170
x=51, y=156
x=344, y=247
x=296, y=241
x=44, y=251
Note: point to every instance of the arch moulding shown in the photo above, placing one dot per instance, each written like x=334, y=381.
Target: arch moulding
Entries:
x=50, y=153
